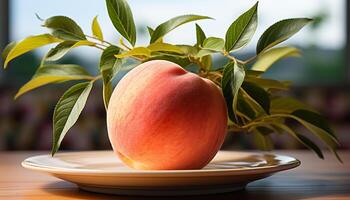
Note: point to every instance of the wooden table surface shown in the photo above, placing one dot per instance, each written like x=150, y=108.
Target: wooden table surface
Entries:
x=314, y=179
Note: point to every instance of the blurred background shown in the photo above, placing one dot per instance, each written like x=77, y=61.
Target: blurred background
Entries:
x=321, y=78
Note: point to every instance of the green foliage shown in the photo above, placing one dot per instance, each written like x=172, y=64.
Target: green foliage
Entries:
x=67, y=111
x=109, y=67
x=314, y=119
x=302, y=139
x=232, y=79
x=122, y=19
x=150, y=31
x=214, y=44
x=268, y=58
x=287, y=105
x=317, y=125
x=257, y=94
x=96, y=29
x=160, y=46
x=7, y=50
x=242, y=30
x=200, y=35
x=182, y=61
x=261, y=140
x=14, y=50
x=137, y=51
x=54, y=73
x=244, y=108
x=64, y=28
x=280, y=32
x=64, y=47
x=253, y=102
x=266, y=83
x=206, y=62
x=173, y=23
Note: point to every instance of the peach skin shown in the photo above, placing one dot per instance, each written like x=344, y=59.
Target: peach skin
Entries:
x=161, y=117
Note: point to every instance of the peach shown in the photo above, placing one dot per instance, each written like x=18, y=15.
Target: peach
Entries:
x=162, y=117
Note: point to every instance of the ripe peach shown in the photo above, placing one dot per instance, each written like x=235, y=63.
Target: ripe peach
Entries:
x=163, y=117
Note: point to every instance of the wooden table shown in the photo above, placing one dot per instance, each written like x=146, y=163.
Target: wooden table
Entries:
x=314, y=179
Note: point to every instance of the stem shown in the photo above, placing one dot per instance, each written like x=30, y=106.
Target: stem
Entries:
x=248, y=127
x=102, y=45
x=262, y=119
x=243, y=115
x=104, y=41
x=234, y=129
x=226, y=54
x=216, y=73
x=253, y=124
x=123, y=44
x=137, y=58
x=42, y=62
x=233, y=58
x=230, y=57
x=249, y=60
x=202, y=67
x=95, y=38
x=96, y=78
x=99, y=48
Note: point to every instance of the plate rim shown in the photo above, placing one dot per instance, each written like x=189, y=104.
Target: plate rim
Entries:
x=163, y=173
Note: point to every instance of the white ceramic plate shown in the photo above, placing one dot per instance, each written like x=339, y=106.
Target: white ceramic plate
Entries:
x=102, y=171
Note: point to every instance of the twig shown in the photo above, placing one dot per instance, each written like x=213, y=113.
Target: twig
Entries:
x=96, y=78
x=98, y=47
x=103, y=41
x=123, y=44
x=95, y=38
x=249, y=60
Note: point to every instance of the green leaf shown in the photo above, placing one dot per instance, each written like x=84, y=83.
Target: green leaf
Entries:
x=64, y=28
x=29, y=44
x=206, y=62
x=7, y=50
x=302, y=139
x=233, y=77
x=159, y=46
x=96, y=29
x=309, y=144
x=204, y=52
x=318, y=126
x=242, y=30
x=52, y=74
x=267, y=129
x=253, y=104
x=244, y=108
x=266, y=83
x=64, y=47
x=173, y=23
x=182, y=61
x=188, y=50
x=109, y=67
x=262, y=141
x=287, y=105
x=280, y=32
x=67, y=111
x=266, y=59
x=214, y=44
x=200, y=35
x=121, y=16
x=150, y=31
x=258, y=94
x=254, y=73
x=314, y=119
x=137, y=51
